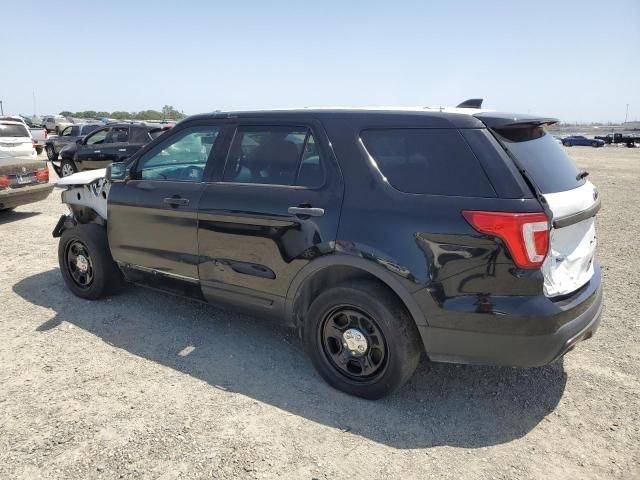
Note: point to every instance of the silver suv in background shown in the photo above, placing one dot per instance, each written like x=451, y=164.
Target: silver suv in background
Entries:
x=55, y=123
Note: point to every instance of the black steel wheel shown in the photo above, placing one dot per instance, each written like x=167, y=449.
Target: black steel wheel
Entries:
x=353, y=343
x=86, y=263
x=361, y=339
x=79, y=264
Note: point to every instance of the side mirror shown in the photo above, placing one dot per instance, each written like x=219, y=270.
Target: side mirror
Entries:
x=117, y=172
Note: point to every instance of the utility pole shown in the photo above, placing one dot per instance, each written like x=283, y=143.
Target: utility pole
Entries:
x=626, y=115
x=33, y=93
x=1, y=108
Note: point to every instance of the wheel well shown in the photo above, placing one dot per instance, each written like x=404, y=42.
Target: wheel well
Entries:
x=331, y=276
x=83, y=214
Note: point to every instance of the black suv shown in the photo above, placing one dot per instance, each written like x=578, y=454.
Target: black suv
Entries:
x=380, y=235
x=112, y=143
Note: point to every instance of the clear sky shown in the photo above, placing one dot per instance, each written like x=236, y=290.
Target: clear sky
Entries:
x=577, y=60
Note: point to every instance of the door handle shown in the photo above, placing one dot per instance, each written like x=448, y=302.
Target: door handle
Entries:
x=122, y=149
x=96, y=151
x=176, y=201
x=306, y=211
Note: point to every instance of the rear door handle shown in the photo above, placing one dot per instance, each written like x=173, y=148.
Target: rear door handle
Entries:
x=176, y=201
x=96, y=151
x=122, y=149
x=306, y=211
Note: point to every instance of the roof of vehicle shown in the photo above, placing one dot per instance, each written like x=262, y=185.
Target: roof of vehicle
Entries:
x=452, y=117
x=11, y=122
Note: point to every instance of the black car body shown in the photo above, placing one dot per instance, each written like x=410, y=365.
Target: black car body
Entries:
x=111, y=143
x=391, y=233
x=23, y=180
x=68, y=135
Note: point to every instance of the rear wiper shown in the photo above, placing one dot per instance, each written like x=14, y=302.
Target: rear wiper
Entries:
x=582, y=174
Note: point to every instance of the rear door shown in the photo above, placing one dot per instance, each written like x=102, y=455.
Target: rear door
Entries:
x=273, y=207
x=115, y=146
x=153, y=217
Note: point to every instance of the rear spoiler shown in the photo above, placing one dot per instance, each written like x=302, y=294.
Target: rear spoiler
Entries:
x=513, y=120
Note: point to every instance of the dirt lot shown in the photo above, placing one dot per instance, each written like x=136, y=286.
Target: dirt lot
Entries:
x=147, y=386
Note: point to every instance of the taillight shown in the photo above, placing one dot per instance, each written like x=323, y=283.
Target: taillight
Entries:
x=525, y=234
x=42, y=174
x=46, y=134
x=4, y=181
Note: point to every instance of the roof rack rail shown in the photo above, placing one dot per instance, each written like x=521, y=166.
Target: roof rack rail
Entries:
x=471, y=103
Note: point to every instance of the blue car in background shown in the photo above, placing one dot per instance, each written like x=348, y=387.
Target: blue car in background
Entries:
x=579, y=140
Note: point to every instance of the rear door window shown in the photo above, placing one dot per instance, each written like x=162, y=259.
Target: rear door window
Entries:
x=274, y=155
x=427, y=161
x=544, y=160
x=118, y=135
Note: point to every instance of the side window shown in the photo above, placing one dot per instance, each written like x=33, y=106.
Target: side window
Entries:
x=181, y=157
x=98, y=137
x=118, y=135
x=427, y=161
x=311, y=173
x=66, y=132
x=274, y=155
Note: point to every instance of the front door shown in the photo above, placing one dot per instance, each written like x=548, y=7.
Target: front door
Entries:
x=153, y=216
x=275, y=207
x=89, y=152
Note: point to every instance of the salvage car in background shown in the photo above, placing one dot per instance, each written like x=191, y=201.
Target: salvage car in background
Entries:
x=22, y=180
x=112, y=143
x=70, y=134
x=579, y=140
x=15, y=139
x=55, y=123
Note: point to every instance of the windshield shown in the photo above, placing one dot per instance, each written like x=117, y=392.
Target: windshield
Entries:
x=13, y=130
x=544, y=160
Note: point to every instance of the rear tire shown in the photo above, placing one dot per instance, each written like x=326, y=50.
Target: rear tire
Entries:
x=361, y=339
x=39, y=150
x=67, y=167
x=86, y=263
x=566, y=144
x=595, y=144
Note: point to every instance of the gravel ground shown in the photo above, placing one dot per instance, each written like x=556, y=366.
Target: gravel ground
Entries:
x=143, y=385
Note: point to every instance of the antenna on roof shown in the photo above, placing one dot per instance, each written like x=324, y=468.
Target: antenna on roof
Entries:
x=471, y=103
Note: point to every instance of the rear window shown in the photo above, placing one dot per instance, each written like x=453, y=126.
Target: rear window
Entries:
x=13, y=130
x=427, y=161
x=542, y=157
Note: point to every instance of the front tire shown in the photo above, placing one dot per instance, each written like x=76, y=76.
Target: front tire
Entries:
x=86, y=263
x=67, y=167
x=39, y=150
x=595, y=144
x=51, y=155
x=361, y=339
x=566, y=144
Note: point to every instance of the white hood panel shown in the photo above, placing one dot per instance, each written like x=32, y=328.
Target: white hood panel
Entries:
x=569, y=264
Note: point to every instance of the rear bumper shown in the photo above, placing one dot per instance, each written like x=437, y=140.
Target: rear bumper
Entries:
x=522, y=350
x=21, y=196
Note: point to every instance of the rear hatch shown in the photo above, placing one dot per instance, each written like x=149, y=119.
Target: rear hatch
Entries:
x=570, y=199
x=15, y=139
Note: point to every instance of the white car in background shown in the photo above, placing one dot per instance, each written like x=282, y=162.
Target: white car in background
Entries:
x=16, y=139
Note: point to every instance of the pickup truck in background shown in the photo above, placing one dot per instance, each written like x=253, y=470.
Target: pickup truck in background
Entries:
x=629, y=140
x=55, y=123
x=38, y=134
x=70, y=134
